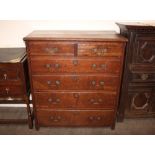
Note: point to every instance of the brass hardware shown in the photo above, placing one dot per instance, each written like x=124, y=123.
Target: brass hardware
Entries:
x=57, y=65
x=100, y=100
x=47, y=65
x=54, y=102
x=49, y=82
x=91, y=118
x=57, y=82
x=144, y=76
x=49, y=100
x=7, y=90
x=94, y=65
x=57, y=100
x=93, y=82
x=52, y=50
x=76, y=95
x=75, y=62
x=51, y=117
x=55, y=119
x=102, y=83
x=92, y=100
x=5, y=76
x=98, y=118
x=99, y=51
x=103, y=66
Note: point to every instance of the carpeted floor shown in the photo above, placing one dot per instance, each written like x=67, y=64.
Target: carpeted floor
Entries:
x=128, y=127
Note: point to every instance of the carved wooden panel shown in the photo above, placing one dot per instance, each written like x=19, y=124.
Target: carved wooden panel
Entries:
x=141, y=100
x=145, y=51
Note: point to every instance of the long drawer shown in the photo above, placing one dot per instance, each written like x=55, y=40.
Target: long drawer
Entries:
x=75, y=117
x=47, y=65
x=81, y=100
x=75, y=82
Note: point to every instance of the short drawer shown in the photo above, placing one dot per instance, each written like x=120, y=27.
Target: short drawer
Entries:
x=85, y=100
x=51, y=48
x=9, y=72
x=46, y=65
x=11, y=91
x=75, y=82
x=75, y=117
x=100, y=49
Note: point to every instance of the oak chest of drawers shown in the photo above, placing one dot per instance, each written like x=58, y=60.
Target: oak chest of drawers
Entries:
x=75, y=77
x=138, y=88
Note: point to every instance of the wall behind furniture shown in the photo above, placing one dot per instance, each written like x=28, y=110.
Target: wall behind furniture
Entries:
x=12, y=32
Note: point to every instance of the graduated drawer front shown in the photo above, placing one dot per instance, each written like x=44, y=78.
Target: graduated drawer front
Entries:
x=89, y=100
x=10, y=90
x=51, y=48
x=9, y=72
x=47, y=65
x=100, y=49
x=75, y=117
x=75, y=82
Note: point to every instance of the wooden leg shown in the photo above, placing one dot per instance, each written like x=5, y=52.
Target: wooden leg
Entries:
x=113, y=126
x=37, y=126
x=29, y=113
x=120, y=117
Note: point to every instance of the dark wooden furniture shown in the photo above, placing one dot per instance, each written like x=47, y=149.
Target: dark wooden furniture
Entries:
x=14, y=81
x=75, y=77
x=138, y=88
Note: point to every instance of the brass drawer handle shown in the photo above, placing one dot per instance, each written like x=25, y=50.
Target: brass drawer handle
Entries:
x=5, y=76
x=93, y=101
x=100, y=100
x=76, y=95
x=57, y=100
x=91, y=118
x=102, y=83
x=57, y=66
x=99, y=51
x=49, y=82
x=48, y=66
x=93, y=82
x=50, y=100
x=144, y=77
x=97, y=118
x=94, y=65
x=51, y=50
x=101, y=67
x=57, y=82
x=55, y=119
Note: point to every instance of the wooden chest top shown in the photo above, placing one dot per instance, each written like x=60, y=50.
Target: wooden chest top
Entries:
x=76, y=35
x=12, y=55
